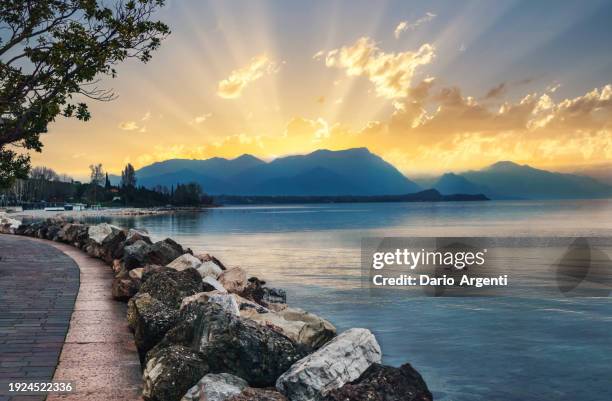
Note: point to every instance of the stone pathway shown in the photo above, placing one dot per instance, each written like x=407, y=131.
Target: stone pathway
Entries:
x=38, y=288
x=99, y=355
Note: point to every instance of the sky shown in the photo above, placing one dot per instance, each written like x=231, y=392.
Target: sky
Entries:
x=430, y=86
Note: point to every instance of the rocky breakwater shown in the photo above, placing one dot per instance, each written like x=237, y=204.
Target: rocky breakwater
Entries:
x=205, y=331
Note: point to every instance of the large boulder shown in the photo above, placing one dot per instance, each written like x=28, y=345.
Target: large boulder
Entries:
x=76, y=234
x=135, y=255
x=340, y=361
x=170, y=372
x=61, y=235
x=234, y=345
x=227, y=301
x=233, y=280
x=170, y=286
x=215, y=387
x=149, y=319
x=384, y=383
x=300, y=326
x=137, y=234
x=213, y=284
x=9, y=225
x=163, y=252
x=209, y=268
x=123, y=288
x=112, y=246
x=256, y=291
x=258, y=394
x=274, y=296
x=99, y=232
x=185, y=261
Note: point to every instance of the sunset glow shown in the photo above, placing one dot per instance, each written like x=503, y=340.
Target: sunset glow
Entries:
x=428, y=86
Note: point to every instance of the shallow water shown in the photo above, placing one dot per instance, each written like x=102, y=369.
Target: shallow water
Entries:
x=467, y=349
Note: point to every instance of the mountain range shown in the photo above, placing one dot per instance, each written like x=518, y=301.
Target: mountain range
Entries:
x=358, y=172
x=323, y=172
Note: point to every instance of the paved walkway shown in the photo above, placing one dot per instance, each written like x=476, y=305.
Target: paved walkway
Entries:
x=99, y=354
x=38, y=288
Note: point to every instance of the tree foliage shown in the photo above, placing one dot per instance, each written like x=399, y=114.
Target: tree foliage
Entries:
x=128, y=177
x=52, y=56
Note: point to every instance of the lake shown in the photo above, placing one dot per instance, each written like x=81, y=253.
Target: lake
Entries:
x=467, y=349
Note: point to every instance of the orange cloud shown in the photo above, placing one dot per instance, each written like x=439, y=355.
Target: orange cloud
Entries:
x=391, y=73
x=239, y=79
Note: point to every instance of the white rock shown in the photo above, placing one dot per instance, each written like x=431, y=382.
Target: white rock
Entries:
x=300, y=326
x=227, y=301
x=139, y=233
x=216, y=387
x=216, y=284
x=209, y=268
x=136, y=274
x=185, y=261
x=99, y=232
x=338, y=362
x=14, y=224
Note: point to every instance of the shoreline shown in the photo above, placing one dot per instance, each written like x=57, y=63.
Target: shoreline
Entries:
x=277, y=350
x=36, y=214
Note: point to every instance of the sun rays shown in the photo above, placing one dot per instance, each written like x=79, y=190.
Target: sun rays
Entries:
x=273, y=78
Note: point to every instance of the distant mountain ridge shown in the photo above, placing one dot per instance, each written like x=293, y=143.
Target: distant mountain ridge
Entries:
x=323, y=172
x=358, y=172
x=509, y=180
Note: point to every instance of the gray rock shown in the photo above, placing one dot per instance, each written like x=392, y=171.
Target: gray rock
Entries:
x=76, y=234
x=340, y=361
x=99, y=232
x=112, y=246
x=274, y=295
x=185, y=261
x=123, y=289
x=227, y=301
x=137, y=234
x=214, y=283
x=384, y=383
x=136, y=254
x=300, y=326
x=215, y=387
x=170, y=372
x=163, y=252
x=209, y=268
x=234, y=345
x=149, y=319
x=170, y=286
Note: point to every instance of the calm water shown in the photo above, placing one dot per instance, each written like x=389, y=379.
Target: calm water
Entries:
x=468, y=349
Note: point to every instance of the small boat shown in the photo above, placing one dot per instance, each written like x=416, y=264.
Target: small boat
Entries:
x=54, y=209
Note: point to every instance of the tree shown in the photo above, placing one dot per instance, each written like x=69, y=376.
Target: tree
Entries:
x=128, y=177
x=96, y=178
x=44, y=173
x=107, y=184
x=53, y=51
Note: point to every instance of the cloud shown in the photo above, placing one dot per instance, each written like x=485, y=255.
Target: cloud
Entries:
x=201, y=118
x=239, y=79
x=405, y=25
x=128, y=125
x=497, y=91
x=146, y=117
x=391, y=73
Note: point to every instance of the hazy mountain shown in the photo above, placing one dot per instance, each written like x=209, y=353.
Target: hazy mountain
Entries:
x=510, y=180
x=216, y=167
x=345, y=172
x=324, y=172
x=361, y=173
x=451, y=183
